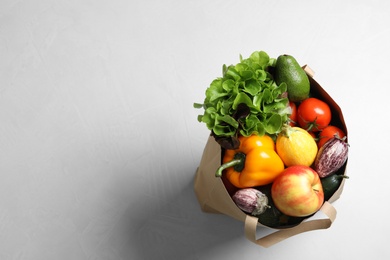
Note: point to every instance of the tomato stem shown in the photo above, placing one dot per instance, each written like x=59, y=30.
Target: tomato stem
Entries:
x=309, y=125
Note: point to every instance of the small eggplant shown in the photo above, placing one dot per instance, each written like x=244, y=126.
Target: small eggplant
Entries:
x=251, y=200
x=331, y=156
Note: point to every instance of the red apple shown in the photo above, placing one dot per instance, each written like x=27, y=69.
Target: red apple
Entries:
x=297, y=191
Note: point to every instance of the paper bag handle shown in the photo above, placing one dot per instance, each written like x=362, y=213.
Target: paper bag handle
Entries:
x=271, y=239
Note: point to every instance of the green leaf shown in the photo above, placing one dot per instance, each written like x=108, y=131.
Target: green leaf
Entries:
x=267, y=96
x=282, y=87
x=260, y=129
x=223, y=130
x=257, y=99
x=273, y=124
x=215, y=90
x=232, y=73
x=228, y=85
x=252, y=87
x=197, y=105
x=249, y=125
x=252, y=125
x=240, y=67
x=227, y=119
x=224, y=69
x=246, y=74
x=208, y=120
x=261, y=75
x=272, y=62
x=260, y=57
x=226, y=107
x=242, y=98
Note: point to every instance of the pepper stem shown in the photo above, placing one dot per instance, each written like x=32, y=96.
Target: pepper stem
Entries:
x=224, y=166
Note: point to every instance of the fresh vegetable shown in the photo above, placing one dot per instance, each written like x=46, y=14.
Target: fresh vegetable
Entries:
x=331, y=184
x=297, y=191
x=287, y=70
x=251, y=201
x=331, y=156
x=245, y=101
x=293, y=118
x=328, y=133
x=254, y=163
x=314, y=114
x=296, y=146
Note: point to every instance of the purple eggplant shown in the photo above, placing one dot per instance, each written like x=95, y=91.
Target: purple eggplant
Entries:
x=331, y=156
x=251, y=201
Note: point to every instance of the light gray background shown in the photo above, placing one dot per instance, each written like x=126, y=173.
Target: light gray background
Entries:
x=99, y=141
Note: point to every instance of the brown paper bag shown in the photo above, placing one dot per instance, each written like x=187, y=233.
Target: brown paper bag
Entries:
x=214, y=198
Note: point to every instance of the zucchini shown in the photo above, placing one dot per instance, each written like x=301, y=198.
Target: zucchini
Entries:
x=331, y=183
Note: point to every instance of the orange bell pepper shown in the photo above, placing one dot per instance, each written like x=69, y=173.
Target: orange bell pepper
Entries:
x=254, y=163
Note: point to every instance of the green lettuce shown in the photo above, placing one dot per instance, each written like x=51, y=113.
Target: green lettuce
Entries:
x=245, y=101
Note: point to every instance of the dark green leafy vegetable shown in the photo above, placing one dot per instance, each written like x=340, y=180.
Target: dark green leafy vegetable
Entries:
x=245, y=101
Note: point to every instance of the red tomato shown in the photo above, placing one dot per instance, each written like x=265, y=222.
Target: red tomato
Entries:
x=328, y=133
x=314, y=114
x=293, y=117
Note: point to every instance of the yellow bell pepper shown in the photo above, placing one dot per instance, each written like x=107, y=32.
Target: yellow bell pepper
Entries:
x=254, y=163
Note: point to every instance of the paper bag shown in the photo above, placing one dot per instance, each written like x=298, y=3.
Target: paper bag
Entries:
x=214, y=198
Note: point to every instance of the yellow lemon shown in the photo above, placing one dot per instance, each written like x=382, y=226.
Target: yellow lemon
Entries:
x=295, y=146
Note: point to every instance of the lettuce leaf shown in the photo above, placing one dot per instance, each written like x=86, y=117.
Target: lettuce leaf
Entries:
x=245, y=100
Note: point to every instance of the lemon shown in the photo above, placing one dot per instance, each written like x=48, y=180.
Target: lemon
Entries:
x=295, y=146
